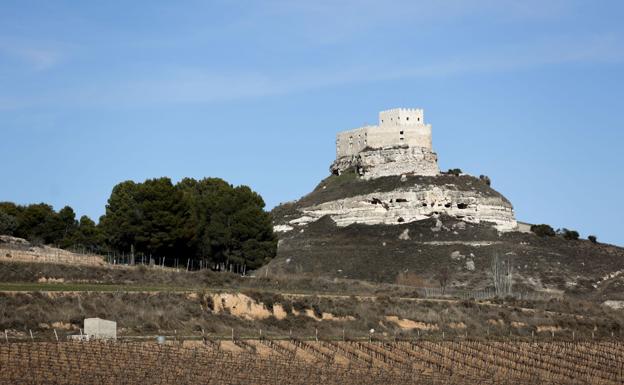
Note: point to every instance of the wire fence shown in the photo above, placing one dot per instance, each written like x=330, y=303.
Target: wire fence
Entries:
x=483, y=334
x=483, y=294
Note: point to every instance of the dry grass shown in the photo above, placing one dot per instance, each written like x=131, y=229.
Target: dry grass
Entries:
x=149, y=313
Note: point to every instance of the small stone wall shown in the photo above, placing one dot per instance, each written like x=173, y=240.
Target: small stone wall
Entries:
x=46, y=254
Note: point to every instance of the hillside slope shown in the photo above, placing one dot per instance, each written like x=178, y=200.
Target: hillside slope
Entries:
x=420, y=249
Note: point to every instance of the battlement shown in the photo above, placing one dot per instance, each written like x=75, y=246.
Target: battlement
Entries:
x=404, y=127
x=402, y=116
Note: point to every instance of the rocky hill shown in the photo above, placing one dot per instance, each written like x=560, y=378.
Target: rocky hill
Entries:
x=394, y=200
x=447, y=230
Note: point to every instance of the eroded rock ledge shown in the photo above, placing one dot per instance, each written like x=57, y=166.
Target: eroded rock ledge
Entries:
x=368, y=202
x=380, y=162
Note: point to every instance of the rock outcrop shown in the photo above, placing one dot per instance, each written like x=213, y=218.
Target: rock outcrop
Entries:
x=409, y=205
x=399, y=160
x=392, y=200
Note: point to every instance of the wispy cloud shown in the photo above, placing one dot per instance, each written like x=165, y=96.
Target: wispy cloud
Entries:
x=205, y=85
x=179, y=84
x=332, y=21
x=37, y=56
x=513, y=57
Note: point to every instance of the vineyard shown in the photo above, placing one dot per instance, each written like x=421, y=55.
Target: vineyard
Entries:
x=264, y=361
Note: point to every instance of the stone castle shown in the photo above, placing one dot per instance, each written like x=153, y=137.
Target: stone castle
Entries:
x=399, y=181
x=397, y=127
x=400, y=144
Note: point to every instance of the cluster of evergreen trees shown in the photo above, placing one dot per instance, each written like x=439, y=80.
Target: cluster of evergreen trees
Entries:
x=40, y=224
x=205, y=220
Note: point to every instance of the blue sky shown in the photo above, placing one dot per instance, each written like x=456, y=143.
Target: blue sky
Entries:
x=528, y=92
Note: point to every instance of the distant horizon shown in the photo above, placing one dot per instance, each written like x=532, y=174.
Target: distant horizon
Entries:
x=254, y=93
x=267, y=208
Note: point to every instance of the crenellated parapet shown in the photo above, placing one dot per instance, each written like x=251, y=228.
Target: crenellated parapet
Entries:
x=402, y=116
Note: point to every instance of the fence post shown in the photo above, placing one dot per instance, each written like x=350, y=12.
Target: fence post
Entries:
x=316, y=334
x=31, y=336
x=56, y=335
x=6, y=336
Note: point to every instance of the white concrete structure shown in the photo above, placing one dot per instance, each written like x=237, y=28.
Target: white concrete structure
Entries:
x=100, y=328
x=397, y=127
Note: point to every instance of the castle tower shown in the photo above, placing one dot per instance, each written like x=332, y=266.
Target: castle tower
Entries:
x=399, y=144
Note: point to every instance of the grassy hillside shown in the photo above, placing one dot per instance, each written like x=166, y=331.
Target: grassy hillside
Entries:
x=421, y=249
x=349, y=185
x=148, y=301
x=278, y=315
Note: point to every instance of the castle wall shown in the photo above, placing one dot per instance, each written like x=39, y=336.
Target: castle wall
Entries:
x=352, y=142
x=397, y=127
x=416, y=135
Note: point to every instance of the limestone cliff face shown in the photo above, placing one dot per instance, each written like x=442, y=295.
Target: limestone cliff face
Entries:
x=409, y=205
x=401, y=199
x=375, y=163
